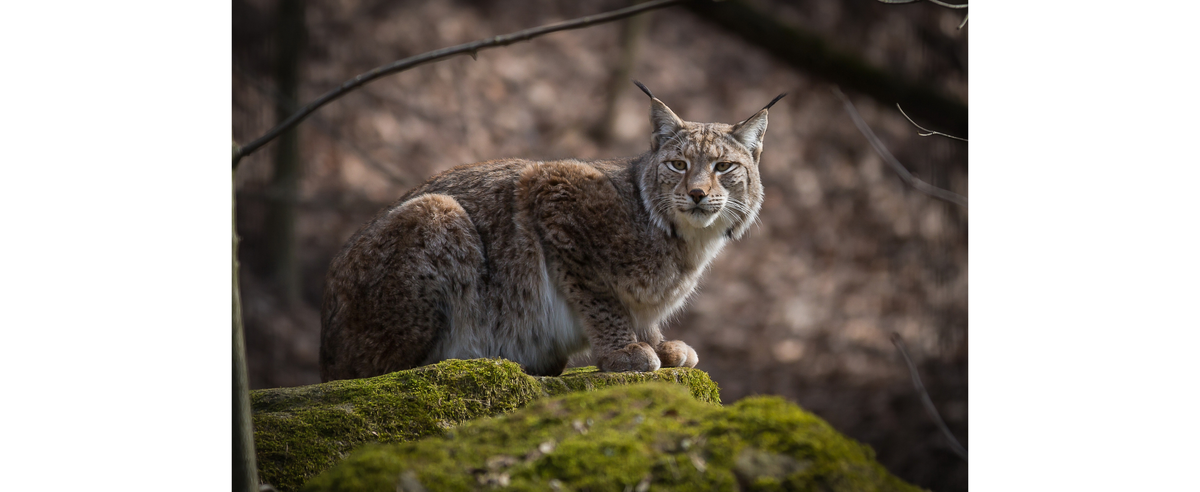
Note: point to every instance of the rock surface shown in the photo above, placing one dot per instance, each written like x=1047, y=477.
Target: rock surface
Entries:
x=641, y=437
x=302, y=431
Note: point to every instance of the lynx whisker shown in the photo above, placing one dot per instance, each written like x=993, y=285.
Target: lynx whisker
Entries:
x=663, y=205
x=745, y=211
x=740, y=207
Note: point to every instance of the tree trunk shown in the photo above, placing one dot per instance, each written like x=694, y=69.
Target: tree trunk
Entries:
x=245, y=469
x=631, y=33
x=281, y=218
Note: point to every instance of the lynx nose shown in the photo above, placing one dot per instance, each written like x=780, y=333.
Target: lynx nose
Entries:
x=697, y=194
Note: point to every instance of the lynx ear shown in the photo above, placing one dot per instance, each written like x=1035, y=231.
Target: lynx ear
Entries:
x=751, y=131
x=663, y=122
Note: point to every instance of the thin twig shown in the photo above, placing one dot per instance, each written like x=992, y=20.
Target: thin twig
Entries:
x=928, y=402
x=927, y=131
x=471, y=49
x=935, y=2
x=908, y=178
x=947, y=5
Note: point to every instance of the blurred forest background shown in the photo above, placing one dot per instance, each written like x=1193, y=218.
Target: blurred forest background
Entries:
x=802, y=307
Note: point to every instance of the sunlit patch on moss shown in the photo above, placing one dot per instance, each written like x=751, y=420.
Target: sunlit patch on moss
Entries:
x=302, y=431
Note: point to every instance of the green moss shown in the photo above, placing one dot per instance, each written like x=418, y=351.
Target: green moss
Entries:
x=619, y=438
x=590, y=378
x=302, y=431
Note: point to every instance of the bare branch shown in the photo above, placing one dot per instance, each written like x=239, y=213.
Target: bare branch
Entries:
x=920, y=186
x=935, y=2
x=928, y=402
x=947, y=5
x=324, y=126
x=471, y=49
x=927, y=131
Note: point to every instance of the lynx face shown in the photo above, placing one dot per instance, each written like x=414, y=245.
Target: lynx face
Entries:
x=706, y=179
x=705, y=175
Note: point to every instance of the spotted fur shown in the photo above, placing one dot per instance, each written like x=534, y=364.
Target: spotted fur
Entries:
x=533, y=261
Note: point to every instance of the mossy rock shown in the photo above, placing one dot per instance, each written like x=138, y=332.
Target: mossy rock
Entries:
x=643, y=437
x=300, y=432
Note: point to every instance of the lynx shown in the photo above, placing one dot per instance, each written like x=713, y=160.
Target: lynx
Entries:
x=533, y=261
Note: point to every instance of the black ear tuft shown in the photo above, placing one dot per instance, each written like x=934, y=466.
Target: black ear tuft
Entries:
x=647, y=91
x=773, y=101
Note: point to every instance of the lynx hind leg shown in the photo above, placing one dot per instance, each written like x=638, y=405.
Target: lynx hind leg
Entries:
x=400, y=288
x=677, y=354
x=638, y=356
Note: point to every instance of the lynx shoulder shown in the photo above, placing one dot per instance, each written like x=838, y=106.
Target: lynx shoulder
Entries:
x=534, y=261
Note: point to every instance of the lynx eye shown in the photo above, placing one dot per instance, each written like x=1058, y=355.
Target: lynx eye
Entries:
x=678, y=165
x=723, y=166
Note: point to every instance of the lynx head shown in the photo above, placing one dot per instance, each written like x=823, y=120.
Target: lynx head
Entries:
x=703, y=176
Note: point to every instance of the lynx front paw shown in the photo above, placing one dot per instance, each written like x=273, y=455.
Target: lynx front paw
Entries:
x=634, y=357
x=677, y=354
